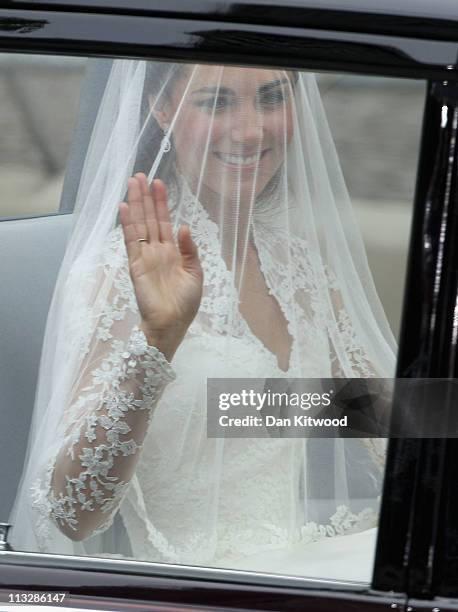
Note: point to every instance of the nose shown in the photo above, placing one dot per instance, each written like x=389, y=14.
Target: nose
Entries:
x=247, y=125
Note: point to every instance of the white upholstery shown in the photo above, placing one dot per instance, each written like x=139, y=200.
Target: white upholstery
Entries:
x=31, y=251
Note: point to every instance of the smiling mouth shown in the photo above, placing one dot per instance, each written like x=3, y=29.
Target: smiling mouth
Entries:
x=240, y=160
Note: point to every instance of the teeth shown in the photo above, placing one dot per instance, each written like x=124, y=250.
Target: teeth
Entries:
x=239, y=160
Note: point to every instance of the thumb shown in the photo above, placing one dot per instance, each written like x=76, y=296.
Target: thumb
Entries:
x=188, y=250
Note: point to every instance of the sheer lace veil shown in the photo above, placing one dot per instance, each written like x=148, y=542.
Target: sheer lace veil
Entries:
x=250, y=165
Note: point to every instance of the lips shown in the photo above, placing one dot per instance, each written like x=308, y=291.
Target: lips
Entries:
x=240, y=160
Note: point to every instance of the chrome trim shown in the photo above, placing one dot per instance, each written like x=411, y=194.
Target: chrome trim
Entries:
x=176, y=571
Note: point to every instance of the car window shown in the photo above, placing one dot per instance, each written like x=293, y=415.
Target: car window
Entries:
x=36, y=129
x=366, y=115
x=166, y=389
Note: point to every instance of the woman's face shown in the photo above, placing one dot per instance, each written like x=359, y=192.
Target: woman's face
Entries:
x=239, y=120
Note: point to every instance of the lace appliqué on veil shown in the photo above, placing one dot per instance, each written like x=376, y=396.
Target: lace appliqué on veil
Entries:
x=246, y=541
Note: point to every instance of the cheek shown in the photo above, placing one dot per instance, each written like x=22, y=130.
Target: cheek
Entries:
x=289, y=127
x=281, y=130
x=205, y=132
x=212, y=134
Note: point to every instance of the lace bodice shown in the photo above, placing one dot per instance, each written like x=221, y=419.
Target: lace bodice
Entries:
x=134, y=430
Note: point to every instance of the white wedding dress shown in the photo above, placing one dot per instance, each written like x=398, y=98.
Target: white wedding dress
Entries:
x=237, y=503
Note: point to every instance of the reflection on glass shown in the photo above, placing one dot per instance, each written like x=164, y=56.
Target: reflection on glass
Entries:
x=214, y=238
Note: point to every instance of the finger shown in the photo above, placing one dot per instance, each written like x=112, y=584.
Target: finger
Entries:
x=149, y=210
x=133, y=247
x=189, y=251
x=135, y=199
x=162, y=211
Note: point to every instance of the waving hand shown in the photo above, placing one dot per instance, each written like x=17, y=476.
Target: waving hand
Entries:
x=166, y=275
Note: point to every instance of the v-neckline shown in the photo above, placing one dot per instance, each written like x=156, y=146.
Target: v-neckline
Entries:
x=267, y=294
x=204, y=215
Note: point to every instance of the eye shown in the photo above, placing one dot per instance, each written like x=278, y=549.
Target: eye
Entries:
x=273, y=98
x=217, y=103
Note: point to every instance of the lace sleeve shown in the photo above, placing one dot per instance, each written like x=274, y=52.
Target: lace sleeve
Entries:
x=106, y=418
x=350, y=351
x=348, y=355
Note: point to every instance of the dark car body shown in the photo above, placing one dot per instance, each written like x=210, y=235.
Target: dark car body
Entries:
x=416, y=565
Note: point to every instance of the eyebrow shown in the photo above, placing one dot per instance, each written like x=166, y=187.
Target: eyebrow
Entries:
x=273, y=84
x=230, y=92
x=222, y=90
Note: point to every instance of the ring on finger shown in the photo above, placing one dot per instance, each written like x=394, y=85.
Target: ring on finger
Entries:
x=142, y=240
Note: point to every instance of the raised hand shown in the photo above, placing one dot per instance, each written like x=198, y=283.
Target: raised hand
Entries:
x=167, y=277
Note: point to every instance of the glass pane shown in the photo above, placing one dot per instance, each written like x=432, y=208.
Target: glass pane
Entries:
x=36, y=125
x=246, y=198
x=375, y=123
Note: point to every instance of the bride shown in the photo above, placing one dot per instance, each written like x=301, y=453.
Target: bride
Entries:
x=234, y=253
